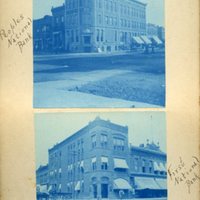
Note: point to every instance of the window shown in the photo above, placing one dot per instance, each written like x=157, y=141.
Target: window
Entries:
x=72, y=36
x=82, y=186
x=119, y=144
x=77, y=36
x=107, y=20
x=98, y=34
x=115, y=36
x=94, y=141
x=99, y=19
x=150, y=167
x=104, y=163
x=94, y=163
x=104, y=140
x=102, y=35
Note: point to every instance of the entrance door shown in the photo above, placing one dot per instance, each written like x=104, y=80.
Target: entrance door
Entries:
x=95, y=191
x=104, y=191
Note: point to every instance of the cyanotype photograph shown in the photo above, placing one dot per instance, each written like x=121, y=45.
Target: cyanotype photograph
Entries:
x=101, y=156
x=99, y=53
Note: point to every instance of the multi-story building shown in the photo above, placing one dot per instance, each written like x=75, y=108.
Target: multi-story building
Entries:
x=58, y=28
x=161, y=33
x=42, y=181
x=148, y=170
x=152, y=30
x=103, y=25
x=42, y=176
x=97, y=162
x=42, y=34
x=49, y=32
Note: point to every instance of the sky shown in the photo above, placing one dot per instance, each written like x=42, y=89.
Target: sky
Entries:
x=53, y=128
x=155, y=9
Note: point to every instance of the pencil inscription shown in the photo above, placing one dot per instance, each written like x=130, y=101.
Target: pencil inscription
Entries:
x=184, y=173
x=18, y=33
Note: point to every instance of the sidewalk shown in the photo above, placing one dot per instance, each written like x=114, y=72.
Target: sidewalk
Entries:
x=92, y=54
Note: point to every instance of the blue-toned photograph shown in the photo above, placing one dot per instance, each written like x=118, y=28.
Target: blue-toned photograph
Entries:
x=99, y=53
x=100, y=156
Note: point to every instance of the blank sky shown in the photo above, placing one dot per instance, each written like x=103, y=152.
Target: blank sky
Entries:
x=55, y=127
x=155, y=9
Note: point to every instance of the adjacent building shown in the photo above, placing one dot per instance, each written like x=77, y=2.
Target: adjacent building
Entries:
x=103, y=25
x=42, y=34
x=49, y=32
x=58, y=28
x=98, y=162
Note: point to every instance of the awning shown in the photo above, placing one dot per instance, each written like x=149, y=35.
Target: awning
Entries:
x=121, y=184
x=120, y=163
x=94, y=160
x=156, y=39
x=162, y=183
x=104, y=159
x=138, y=40
x=82, y=164
x=50, y=188
x=162, y=167
x=146, y=39
x=78, y=186
x=42, y=189
x=145, y=183
x=156, y=166
x=70, y=167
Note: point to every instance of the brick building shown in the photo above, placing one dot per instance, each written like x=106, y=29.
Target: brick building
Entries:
x=98, y=162
x=42, y=34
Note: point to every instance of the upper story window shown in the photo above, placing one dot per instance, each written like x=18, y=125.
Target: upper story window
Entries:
x=94, y=163
x=57, y=20
x=94, y=141
x=143, y=166
x=119, y=144
x=104, y=140
x=104, y=163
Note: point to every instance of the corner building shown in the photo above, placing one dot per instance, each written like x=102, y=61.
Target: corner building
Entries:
x=103, y=25
x=97, y=162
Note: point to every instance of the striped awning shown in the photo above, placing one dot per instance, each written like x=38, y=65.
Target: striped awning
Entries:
x=42, y=189
x=162, y=183
x=121, y=184
x=104, y=159
x=120, y=163
x=156, y=39
x=138, y=40
x=162, y=167
x=78, y=186
x=82, y=163
x=146, y=183
x=94, y=159
x=146, y=39
x=156, y=166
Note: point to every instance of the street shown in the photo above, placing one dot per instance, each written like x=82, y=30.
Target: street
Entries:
x=100, y=80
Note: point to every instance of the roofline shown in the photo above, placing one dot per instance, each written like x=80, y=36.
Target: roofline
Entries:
x=148, y=150
x=136, y=1
x=89, y=125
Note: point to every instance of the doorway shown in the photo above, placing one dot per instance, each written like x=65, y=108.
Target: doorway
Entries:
x=104, y=191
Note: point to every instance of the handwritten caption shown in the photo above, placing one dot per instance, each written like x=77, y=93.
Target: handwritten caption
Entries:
x=18, y=33
x=184, y=173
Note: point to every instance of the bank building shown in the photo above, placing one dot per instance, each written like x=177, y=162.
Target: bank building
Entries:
x=97, y=162
x=103, y=25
